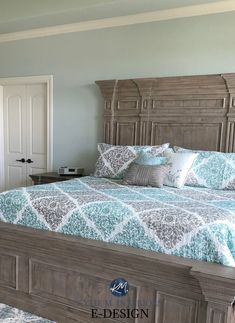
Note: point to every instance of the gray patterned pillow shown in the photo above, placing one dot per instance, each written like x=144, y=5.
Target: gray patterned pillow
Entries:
x=113, y=161
x=211, y=169
x=146, y=175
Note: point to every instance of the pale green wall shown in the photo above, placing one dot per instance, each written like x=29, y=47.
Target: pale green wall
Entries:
x=200, y=45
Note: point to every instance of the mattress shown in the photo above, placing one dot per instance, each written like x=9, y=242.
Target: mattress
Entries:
x=189, y=222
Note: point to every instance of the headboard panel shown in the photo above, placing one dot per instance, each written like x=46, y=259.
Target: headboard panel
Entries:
x=195, y=112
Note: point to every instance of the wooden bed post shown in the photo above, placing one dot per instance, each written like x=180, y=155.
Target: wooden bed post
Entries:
x=230, y=138
x=219, y=292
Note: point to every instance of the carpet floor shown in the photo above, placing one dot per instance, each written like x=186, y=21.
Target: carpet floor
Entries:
x=10, y=314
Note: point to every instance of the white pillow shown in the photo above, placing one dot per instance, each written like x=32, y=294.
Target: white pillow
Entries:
x=180, y=164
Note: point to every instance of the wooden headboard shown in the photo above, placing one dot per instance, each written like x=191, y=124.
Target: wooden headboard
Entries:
x=192, y=111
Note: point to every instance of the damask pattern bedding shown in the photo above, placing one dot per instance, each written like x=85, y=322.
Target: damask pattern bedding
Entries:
x=190, y=222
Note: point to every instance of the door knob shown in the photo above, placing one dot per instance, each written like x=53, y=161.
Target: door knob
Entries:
x=22, y=160
x=29, y=161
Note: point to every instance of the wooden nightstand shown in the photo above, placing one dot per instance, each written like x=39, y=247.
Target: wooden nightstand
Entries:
x=46, y=178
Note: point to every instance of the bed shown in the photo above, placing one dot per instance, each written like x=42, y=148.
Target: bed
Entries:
x=190, y=222
x=59, y=261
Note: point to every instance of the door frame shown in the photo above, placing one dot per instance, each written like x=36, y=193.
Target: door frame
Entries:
x=48, y=80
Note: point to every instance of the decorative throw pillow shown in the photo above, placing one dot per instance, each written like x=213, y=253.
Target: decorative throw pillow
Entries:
x=180, y=165
x=145, y=175
x=113, y=161
x=149, y=159
x=211, y=169
x=167, y=150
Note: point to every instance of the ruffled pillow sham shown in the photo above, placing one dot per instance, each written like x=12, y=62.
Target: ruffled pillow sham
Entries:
x=211, y=169
x=113, y=161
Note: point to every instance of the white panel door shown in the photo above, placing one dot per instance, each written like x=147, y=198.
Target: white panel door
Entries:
x=14, y=116
x=25, y=133
x=36, y=130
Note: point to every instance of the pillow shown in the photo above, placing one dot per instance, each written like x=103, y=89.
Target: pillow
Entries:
x=212, y=169
x=149, y=159
x=113, y=161
x=167, y=150
x=145, y=175
x=180, y=165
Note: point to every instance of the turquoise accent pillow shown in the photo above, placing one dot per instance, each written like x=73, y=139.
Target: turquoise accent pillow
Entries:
x=149, y=159
x=211, y=169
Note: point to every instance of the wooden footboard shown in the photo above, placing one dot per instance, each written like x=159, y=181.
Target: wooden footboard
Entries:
x=68, y=279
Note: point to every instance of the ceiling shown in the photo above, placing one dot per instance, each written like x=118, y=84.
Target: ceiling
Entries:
x=18, y=15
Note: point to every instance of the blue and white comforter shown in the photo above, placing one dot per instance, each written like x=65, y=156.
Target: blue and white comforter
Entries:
x=188, y=222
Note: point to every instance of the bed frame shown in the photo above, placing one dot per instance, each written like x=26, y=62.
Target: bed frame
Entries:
x=63, y=277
